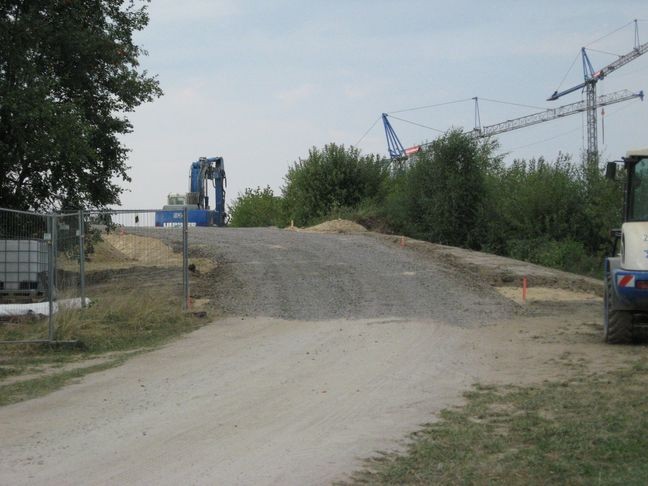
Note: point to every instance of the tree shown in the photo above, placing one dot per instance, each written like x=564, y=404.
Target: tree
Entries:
x=446, y=190
x=332, y=178
x=68, y=75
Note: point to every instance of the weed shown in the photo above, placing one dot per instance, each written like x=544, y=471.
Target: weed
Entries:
x=591, y=430
x=115, y=324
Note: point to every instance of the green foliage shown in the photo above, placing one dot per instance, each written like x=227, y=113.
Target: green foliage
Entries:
x=541, y=199
x=331, y=178
x=68, y=73
x=567, y=254
x=456, y=191
x=556, y=214
x=256, y=207
x=443, y=195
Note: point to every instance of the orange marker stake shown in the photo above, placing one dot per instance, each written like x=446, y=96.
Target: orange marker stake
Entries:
x=524, y=289
x=402, y=242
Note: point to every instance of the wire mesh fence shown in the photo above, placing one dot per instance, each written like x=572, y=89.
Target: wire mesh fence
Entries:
x=53, y=263
x=126, y=252
x=25, y=258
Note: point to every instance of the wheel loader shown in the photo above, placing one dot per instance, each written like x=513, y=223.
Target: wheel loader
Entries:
x=626, y=271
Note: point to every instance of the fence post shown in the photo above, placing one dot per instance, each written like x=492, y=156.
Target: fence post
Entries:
x=185, y=257
x=82, y=258
x=50, y=276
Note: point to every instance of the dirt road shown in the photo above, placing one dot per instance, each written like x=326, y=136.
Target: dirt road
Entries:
x=331, y=348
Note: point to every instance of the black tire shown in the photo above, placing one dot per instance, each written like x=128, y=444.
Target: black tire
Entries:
x=617, y=327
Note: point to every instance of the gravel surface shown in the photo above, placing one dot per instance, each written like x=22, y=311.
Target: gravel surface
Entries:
x=310, y=276
x=335, y=347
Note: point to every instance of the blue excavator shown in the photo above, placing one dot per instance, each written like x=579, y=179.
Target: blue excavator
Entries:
x=203, y=173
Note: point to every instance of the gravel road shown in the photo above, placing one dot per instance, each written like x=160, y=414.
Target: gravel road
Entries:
x=313, y=276
x=331, y=347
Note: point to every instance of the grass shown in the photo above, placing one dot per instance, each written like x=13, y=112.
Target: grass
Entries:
x=591, y=430
x=27, y=389
x=118, y=323
x=115, y=325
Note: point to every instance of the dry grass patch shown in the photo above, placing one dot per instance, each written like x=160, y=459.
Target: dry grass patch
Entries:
x=113, y=327
x=592, y=430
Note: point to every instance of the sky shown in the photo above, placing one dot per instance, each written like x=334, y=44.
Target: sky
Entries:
x=261, y=82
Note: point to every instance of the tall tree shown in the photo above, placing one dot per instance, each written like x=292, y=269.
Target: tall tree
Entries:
x=69, y=73
x=447, y=189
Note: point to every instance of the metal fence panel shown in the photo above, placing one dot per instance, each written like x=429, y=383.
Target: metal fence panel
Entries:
x=25, y=259
x=125, y=251
x=52, y=263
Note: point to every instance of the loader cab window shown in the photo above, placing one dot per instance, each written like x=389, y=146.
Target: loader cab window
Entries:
x=638, y=192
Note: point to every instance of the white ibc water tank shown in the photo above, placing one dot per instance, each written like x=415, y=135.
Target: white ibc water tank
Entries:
x=22, y=264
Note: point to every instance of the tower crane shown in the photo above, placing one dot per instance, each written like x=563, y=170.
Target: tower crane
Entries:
x=589, y=85
x=554, y=113
x=394, y=145
x=397, y=152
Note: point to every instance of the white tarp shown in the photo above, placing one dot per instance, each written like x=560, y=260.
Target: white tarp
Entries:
x=40, y=308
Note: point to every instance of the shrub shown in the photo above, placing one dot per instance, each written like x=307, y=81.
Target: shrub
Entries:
x=329, y=179
x=256, y=207
x=444, y=192
x=568, y=255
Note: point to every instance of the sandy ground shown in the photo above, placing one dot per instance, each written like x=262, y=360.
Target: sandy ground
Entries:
x=264, y=401
x=276, y=400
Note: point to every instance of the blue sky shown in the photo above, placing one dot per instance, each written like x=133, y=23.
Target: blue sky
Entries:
x=260, y=82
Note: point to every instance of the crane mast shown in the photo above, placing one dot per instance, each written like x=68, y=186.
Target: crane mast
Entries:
x=592, y=77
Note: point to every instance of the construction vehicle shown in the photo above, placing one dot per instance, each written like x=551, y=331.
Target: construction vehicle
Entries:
x=196, y=201
x=626, y=273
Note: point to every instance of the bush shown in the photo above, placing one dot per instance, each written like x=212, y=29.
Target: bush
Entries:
x=568, y=255
x=329, y=179
x=256, y=207
x=537, y=200
x=443, y=195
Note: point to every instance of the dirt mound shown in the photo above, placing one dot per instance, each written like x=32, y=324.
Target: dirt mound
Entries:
x=123, y=251
x=103, y=252
x=142, y=249
x=337, y=226
x=496, y=270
